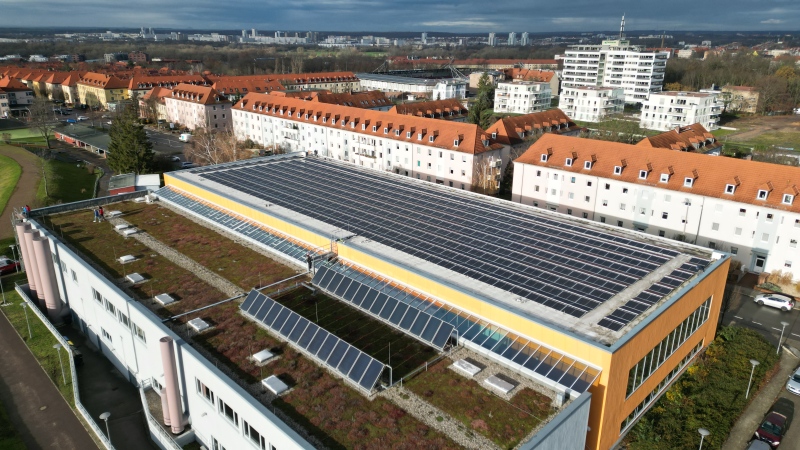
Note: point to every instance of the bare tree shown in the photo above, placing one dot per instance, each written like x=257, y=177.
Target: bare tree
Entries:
x=43, y=118
x=215, y=147
x=485, y=174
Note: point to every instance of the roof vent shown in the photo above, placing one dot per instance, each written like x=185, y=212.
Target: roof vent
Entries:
x=199, y=325
x=164, y=299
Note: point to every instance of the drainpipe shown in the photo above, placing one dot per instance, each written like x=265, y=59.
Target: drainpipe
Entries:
x=47, y=276
x=21, y=228
x=175, y=417
x=32, y=267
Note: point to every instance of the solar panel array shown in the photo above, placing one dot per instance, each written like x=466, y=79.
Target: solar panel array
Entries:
x=234, y=224
x=650, y=296
x=365, y=293
x=516, y=350
x=350, y=362
x=554, y=262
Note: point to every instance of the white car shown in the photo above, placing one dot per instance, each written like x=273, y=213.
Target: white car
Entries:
x=187, y=165
x=82, y=118
x=793, y=385
x=782, y=302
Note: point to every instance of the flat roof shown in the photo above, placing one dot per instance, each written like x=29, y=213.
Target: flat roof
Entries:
x=397, y=79
x=590, y=279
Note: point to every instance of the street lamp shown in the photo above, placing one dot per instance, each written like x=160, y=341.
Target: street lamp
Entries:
x=754, y=363
x=783, y=327
x=703, y=433
x=14, y=255
x=57, y=346
x=25, y=308
x=105, y=417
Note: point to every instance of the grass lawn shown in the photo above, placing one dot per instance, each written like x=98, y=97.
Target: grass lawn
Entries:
x=41, y=344
x=66, y=183
x=786, y=139
x=242, y=266
x=326, y=406
x=720, y=132
x=10, y=172
x=505, y=423
x=29, y=140
x=9, y=438
x=20, y=133
x=365, y=333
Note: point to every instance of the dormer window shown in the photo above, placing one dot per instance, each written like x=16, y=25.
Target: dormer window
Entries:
x=455, y=142
x=430, y=138
x=587, y=165
x=568, y=162
x=664, y=178
x=494, y=135
x=730, y=189
x=688, y=182
x=617, y=170
x=408, y=134
x=374, y=128
x=762, y=194
x=642, y=174
x=352, y=124
x=788, y=199
x=306, y=116
x=364, y=126
x=385, y=131
x=324, y=120
x=298, y=115
x=333, y=122
x=419, y=136
x=544, y=157
x=397, y=132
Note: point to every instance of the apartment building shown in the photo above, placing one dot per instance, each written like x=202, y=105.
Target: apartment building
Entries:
x=5, y=111
x=446, y=89
x=138, y=57
x=591, y=103
x=615, y=63
x=522, y=97
x=746, y=208
x=692, y=138
x=740, y=99
x=518, y=131
x=450, y=109
x=69, y=88
x=152, y=104
x=667, y=110
x=98, y=89
x=198, y=107
x=376, y=100
x=18, y=96
x=455, y=154
x=139, y=85
x=330, y=81
x=542, y=76
x=421, y=87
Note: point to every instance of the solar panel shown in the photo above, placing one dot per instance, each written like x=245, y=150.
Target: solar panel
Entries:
x=351, y=363
x=401, y=313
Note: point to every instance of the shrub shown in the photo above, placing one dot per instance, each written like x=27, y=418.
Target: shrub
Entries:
x=770, y=287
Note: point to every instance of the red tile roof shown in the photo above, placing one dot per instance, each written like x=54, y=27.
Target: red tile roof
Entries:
x=102, y=80
x=509, y=130
x=367, y=99
x=242, y=86
x=435, y=109
x=141, y=82
x=529, y=74
x=470, y=137
x=686, y=139
x=710, y=174
x=13, y=84
x=204, y=95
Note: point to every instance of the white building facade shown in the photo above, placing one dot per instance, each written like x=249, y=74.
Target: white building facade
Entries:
x=454, y=154
x=522, y=97
x=668, y=110
x=591, y=103
x=198, y=107
x=616, y=63
x=449, y=89
x=742, y=207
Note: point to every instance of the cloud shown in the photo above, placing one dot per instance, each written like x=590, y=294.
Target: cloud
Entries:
x=463, y=23
x=772, y=21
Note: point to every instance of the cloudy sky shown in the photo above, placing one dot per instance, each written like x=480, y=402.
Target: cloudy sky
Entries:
x=411, y=15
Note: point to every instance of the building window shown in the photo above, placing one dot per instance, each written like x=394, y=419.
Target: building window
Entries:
x=661, y=233
x=643, y=211
x=608, y=186
x=139, y=332
x=110, y=307
x=762, y=195
x=98, y=298
x=605, y=202
x=787, y=264
x=536, y=204
x=770, y=217
x=688, y=182
x=124, y=319
x=586, y=199
x=714, y=227
x=624, y=190
x=255, y=437
x=568, y=162
x=639, y=373
x=571, y=195
x=602, y=219
x=215, y=445
x=204, y=391
x=788, y=199
x=742, y=211
x=622, y=206
x=734, y=250
x=619, y=223
x=589, y=183
x=569, y=211
x=642, y=174
x=587, y=165
x=738, y=231
x=572, y=180
x=585, y=215
x=793, y=243
x=74, y=276
x=228, y=412
x=617, y=170
x=106, y=336
x=712, y=245
x=730, y=189
x=664, y=177
x=664, y=215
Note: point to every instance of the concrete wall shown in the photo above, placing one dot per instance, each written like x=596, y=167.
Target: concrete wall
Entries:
x=134, y=350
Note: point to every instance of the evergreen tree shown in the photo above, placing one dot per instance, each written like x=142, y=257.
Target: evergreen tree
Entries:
x=129, y=149
x=482, y=108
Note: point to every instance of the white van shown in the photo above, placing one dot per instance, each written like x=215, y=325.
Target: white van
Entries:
x=185, y=137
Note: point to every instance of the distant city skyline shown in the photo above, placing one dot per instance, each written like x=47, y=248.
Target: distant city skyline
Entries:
x=471, y=16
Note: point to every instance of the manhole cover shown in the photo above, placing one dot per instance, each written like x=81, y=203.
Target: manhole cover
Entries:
x=42, y=408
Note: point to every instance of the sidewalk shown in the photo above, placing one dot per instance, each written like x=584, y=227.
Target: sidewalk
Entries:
x=752, y=416
x=36, y=408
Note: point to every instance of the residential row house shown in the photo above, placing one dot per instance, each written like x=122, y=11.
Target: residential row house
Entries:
x=139, y=85
x=152, y=105
x=335, y=82
x=746, y=208
x=450, y=109
x=454, y=154
x=522, y=97
x=692, y=138
x=667, y=110
x=376, y=100
x=97, y=90
x=17, y=97
x=591, y=103
x=518, y=132
x=196, y=107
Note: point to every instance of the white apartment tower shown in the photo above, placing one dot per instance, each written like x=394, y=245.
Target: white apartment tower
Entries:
x=616, y=63
x=668, y=110
x=591, y=103
x=523, y=97
x=424, y=38
x=525, y=40
x=512, y=39
x=492, y=39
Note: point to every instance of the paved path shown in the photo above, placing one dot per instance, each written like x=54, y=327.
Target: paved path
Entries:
x=25, y=192
x=25, y=389
x=752, y=416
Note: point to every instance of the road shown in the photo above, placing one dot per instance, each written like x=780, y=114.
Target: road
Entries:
x=165, y=142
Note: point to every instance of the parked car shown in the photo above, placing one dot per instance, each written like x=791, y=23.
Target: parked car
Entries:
x=176, y=158
x=185, y=137
x=71, y=121
x=793, y=385
x=82, y=118
x=776, y=422
x=187, y=165
x=782, y=302
x=758, y=445
x=8, y=265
